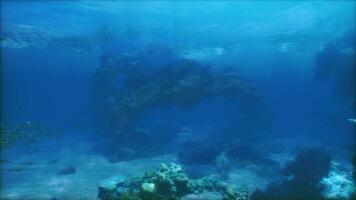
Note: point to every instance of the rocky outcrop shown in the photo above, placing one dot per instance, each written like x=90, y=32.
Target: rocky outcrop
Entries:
x=168, y=182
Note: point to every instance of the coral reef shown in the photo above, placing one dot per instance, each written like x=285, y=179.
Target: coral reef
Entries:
x=305, y=172
x=168, y=182
x=127, y=85
x=184, y=85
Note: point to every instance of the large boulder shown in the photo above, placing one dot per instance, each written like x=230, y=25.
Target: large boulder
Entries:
x=303, y=176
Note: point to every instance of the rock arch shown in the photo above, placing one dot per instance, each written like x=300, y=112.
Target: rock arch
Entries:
x=182, y=83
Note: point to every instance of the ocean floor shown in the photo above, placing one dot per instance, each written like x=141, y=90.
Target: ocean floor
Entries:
x=33, y=173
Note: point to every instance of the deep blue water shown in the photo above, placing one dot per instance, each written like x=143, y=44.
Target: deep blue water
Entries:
x=50, y=52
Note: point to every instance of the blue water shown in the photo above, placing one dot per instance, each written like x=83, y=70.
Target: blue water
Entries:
x=51, y=53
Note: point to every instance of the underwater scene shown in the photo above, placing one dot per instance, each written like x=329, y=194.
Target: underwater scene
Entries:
x=178, y=100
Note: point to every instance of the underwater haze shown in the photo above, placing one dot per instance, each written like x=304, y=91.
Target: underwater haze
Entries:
x=183, y=100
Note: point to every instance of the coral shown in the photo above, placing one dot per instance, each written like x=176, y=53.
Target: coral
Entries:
x=148, y=187
x=128, y=195
x=166, y=183
x=338, y=184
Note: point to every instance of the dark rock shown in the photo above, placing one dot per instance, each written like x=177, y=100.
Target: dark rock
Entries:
x=306, y=170
x=309, y=166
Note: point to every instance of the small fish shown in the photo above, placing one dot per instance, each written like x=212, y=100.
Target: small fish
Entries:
x=52, y=162
x=27, y=162
x=15, y=169
x=352, y=120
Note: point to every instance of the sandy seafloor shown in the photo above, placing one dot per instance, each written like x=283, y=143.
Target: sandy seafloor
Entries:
x=39, y=179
